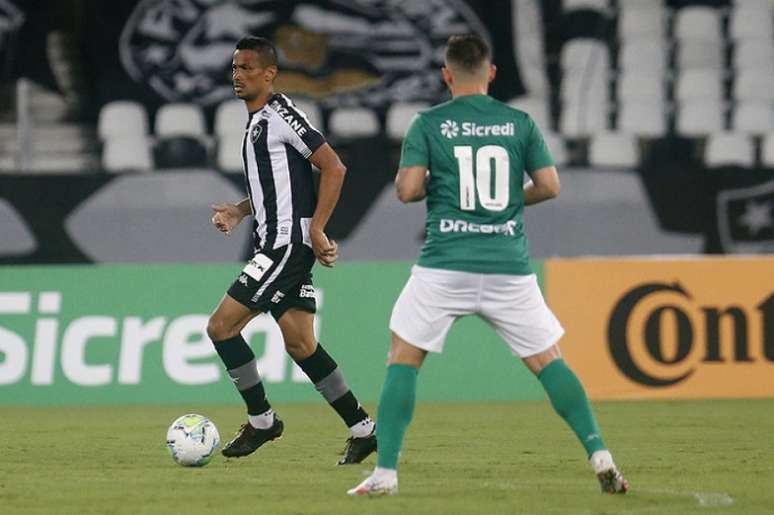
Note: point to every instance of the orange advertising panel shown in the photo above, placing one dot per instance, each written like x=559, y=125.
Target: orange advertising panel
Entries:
x=654, y=328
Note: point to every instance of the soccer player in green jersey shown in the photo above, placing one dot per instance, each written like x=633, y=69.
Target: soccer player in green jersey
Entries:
x=467, y=157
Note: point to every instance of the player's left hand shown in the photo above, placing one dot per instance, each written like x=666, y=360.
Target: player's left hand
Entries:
x=326, y=251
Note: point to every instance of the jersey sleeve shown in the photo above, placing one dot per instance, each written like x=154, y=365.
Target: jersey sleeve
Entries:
x=298, y=131
x=415, y=149
x=537, y=155
x=306, y=139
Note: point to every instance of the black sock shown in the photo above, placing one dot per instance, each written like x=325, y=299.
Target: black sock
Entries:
x=240, y=364
x=329, y=381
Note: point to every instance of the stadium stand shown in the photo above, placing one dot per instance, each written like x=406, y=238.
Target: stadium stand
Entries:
x=699, y=118
x=643, y=54
x=754, y=84
x=582, y=53
x=729, y=149
x=180, y=120
x=230, y=118
x=536, y=107
x=607, y=81
x=529, y=44
x=753, y=53
x=127, y=153
x=228, y=154
x=750, y=21
x=399, y=116
x=700, y=53
x=229, y=128
x=353, y=122
x=557, y=147
x=122, y=118
x=613, y=149
x=633, y=69
x=312, y=111
x=767, y=150
x=581, y=120
x=642, y=20
x=182, y=139
x=180, y=152
x=699, y=84
x=697, y=22
x=640, y=85
x=645, y=68
x=585, y=4
x=645, y=118
x=753, y=117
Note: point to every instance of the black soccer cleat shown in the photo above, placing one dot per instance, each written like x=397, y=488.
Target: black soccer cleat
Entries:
x=248, y=439
x=358, y=449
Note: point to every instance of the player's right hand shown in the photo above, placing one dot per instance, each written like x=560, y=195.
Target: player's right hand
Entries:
x=226, y=217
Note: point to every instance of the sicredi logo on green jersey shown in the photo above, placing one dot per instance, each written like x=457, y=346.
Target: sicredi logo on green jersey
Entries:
x=451, y=129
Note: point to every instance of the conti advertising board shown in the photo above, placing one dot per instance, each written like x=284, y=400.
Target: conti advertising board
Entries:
x=654, y=328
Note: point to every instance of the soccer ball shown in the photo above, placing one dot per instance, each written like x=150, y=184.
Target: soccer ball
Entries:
x=192, y=440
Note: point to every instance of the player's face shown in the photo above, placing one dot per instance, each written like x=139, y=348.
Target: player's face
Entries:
x=249, y=77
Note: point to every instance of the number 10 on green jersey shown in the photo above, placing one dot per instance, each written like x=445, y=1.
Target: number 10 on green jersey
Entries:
x=477, y=150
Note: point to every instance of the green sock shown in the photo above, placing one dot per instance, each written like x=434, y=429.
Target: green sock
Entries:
x=569, y=400
x=396, y=407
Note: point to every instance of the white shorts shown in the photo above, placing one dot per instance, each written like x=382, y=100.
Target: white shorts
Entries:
x=512, y=304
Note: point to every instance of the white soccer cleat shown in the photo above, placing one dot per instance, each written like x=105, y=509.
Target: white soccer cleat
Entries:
x=611, y=480
x=375, y=486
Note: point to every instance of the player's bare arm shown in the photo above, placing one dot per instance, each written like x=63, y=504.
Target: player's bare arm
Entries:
x=410, y=183
x=543, y=185
x=226, y=216
x=332, y=172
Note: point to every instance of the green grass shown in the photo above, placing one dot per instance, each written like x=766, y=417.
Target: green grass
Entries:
x=477, y=458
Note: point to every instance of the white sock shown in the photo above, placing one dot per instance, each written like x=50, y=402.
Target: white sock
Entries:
x=363, y=428
x=601, y=461
x=383, y=474
x=262, y=421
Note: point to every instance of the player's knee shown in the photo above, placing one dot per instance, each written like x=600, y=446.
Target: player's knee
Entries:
x=300, y=348
x=217, y=329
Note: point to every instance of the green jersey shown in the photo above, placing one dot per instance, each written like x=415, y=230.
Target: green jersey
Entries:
x=477, y=150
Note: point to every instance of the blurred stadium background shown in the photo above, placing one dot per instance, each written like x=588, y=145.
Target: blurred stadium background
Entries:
x=659, y=113
x=118, y=128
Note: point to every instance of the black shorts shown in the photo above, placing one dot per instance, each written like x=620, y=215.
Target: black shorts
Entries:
x=277, y=280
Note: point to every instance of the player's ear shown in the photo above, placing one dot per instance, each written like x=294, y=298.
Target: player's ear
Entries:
x=447, y=76
x=270, y=73
x=492, y=72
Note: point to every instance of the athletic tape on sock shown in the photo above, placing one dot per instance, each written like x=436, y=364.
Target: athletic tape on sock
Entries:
x=333, y=386
x=246, y=376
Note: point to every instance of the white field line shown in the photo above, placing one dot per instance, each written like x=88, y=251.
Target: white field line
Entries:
x=703, y=499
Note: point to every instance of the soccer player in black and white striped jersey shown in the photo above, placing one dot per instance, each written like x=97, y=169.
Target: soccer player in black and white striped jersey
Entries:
x=289, y=218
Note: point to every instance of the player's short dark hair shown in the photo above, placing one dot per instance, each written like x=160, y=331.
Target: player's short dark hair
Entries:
x=467, y=52
x=267, y=54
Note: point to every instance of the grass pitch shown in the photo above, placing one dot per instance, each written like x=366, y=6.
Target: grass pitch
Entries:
x=517, y=457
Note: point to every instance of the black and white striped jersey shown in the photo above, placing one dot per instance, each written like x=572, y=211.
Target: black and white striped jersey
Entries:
x=276, y=147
